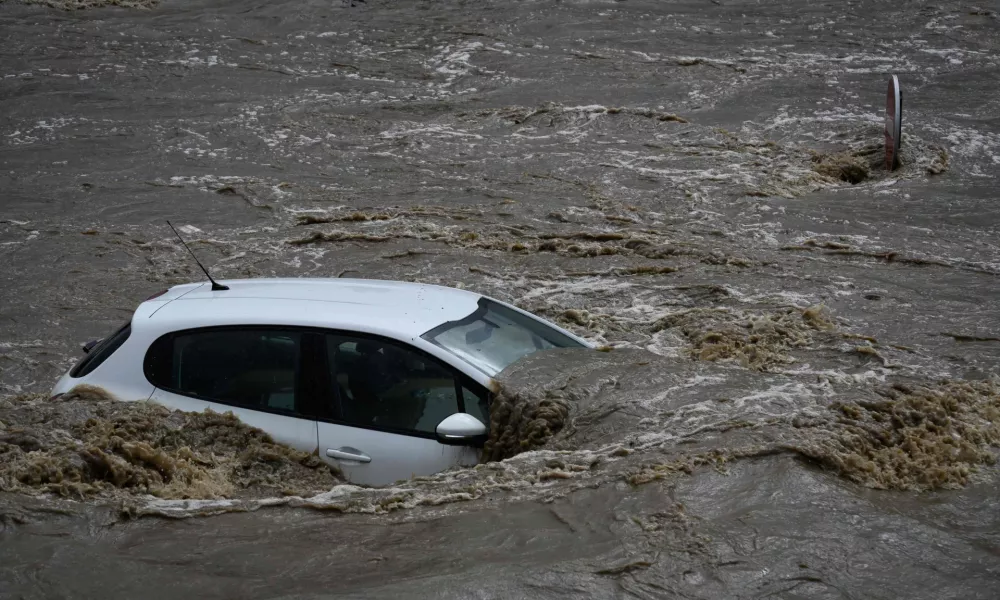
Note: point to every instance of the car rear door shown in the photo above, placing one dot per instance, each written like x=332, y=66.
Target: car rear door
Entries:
x=258, y=373
x=384, y=403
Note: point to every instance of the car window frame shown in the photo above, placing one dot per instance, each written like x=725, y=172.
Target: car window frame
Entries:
x=461, y=379
x=315, y=376
x=102, y=351
x=304, y=381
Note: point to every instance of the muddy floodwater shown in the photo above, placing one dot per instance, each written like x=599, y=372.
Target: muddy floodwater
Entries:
x=797, y=393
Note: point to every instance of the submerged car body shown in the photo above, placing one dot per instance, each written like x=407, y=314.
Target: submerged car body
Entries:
x=385, y=380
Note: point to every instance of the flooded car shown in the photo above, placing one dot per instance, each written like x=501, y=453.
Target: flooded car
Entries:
x=383, y=379
x=797, y=398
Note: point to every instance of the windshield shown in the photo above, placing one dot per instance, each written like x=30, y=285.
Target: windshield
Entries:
x=495, y=336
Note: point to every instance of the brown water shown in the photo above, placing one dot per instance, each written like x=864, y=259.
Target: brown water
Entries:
x=89, y=445
x=799, y=399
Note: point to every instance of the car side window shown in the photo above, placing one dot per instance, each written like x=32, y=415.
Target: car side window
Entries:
x=385, y=385
x=251, y=368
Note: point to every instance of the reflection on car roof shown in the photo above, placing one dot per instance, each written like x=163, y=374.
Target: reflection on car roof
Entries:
x=402, y=309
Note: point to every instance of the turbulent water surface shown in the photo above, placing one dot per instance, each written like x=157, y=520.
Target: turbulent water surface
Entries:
x=797, y=398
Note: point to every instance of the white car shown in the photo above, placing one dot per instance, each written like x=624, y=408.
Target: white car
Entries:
x=384, y=379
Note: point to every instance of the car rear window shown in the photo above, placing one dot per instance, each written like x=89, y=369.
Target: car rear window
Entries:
x=101, y=352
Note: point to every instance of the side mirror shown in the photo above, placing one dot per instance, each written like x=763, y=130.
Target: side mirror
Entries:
x=461, y=429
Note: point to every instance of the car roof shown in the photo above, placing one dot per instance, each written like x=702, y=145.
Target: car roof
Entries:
x=398, y=309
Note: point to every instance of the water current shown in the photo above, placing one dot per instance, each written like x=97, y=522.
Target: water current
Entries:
x=797, y=394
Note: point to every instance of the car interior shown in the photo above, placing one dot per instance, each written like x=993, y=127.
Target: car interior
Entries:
x=384, y=386
x=248, y=368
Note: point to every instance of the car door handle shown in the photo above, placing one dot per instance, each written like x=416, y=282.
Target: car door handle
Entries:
x=348, y=453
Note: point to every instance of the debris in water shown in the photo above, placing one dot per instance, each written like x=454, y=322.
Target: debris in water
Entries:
x=914, y=437
x=87, y=443
x=845, y=166
x=519, y=423
x=940, y=163
x=337, y=236
x=758, y=342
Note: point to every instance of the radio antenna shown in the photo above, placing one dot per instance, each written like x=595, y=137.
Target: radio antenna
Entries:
x=216, y=287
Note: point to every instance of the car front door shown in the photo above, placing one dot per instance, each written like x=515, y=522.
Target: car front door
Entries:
x=385, y=401
x=255, y=372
